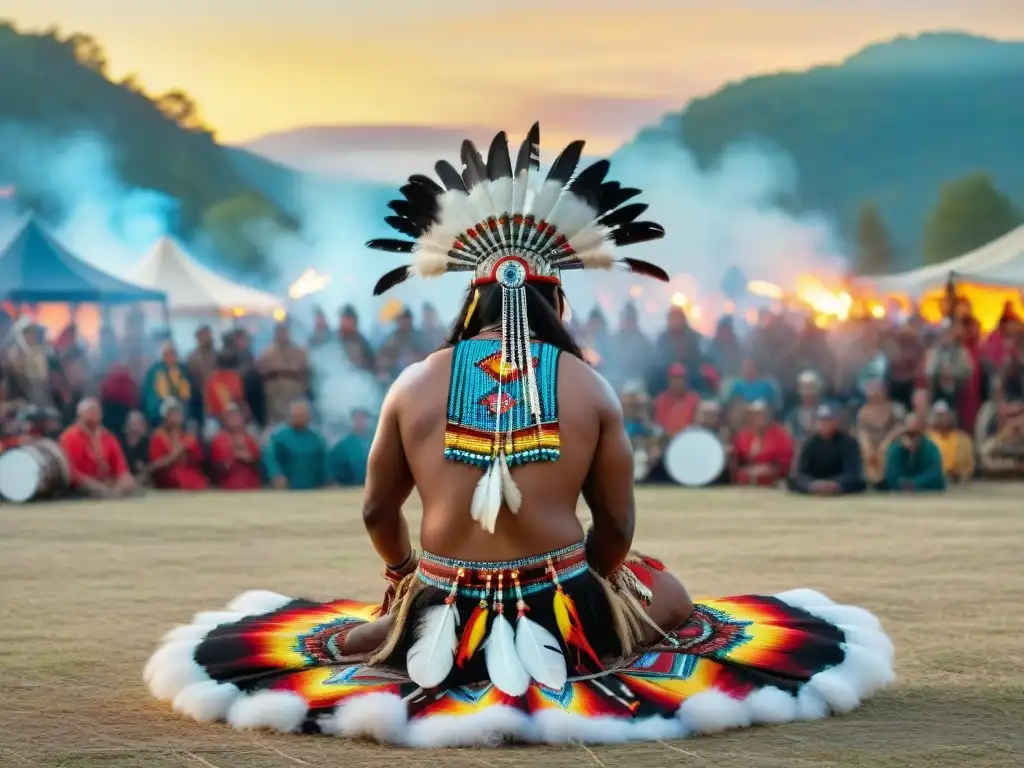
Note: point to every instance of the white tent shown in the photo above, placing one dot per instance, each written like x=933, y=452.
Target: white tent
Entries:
x=194, y=290
x=988, y=277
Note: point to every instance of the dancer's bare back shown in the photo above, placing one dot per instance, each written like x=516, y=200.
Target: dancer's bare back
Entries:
x=596, y=459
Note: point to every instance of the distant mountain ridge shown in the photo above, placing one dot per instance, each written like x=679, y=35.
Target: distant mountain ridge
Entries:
x=892, y=123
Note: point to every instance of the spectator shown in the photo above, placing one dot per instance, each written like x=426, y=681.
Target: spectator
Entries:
x=878, y=420
x=906, y=353
x=955, y=446
x=296, y=456
x=431, y=328
x=98, y=466
x=203, y=359
x=321, y=330
x=913, y=463
x=135, y=444
x=829, y=463
x=674, y=408
x=224, y=390
x=750, y=387
x=631, y=354
x=725, y=351
x=356, y=347
x=802, y=420
x=405, y=344
x=350, y=455
x=284, y=368
x=1002, y=455
x=174, y=453
x=235, y=454
x=595, y=341
x=165, y=379
x=679, y=343
x=763, y=449
x=120, y=396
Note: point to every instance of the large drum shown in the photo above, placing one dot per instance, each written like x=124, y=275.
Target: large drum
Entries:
x=35, y=471
x=695, y=457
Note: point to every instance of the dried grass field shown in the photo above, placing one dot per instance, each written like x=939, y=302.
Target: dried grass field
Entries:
x=86, y=589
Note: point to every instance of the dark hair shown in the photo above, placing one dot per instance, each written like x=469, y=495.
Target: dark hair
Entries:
x=541, y=300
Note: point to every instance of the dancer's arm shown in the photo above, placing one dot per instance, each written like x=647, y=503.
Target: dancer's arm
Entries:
x=388, y=483
x=608, y=490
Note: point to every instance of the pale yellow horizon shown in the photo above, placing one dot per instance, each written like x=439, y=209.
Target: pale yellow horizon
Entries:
x=255, y=71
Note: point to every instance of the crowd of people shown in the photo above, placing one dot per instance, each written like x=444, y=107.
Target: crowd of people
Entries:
x=867, y=403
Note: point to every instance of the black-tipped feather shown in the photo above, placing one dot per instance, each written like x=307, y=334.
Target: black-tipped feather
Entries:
x=529, y=151
x=588, y=184
x=421, y=198
x=428, y=183
x=565, y=165
x=391, y=279
x=646, y=268
x=613, y=198
x=637, y=232
x=475, y=172
x=451, y=178
x=391, y=245
x=499, y=165
x=403, y=225
x=623, y=215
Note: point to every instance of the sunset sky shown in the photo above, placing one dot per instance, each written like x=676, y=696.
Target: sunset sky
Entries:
x=260, y=66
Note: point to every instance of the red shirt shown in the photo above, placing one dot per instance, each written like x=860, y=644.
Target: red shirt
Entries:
x=98, y=456
x=674, y=412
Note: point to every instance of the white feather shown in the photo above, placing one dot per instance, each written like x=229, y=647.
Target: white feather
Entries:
x=431, y=657
x=571, y=215
x=492, y=502
x=519, y=190
x=503, y=665
x=545, y=200
x=540, y=654
x=509, y=489
x=501, y=193
x=476, y=509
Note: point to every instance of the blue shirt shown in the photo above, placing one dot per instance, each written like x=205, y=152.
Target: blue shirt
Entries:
x=299, y=455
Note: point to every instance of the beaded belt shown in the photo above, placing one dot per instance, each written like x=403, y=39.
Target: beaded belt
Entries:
x=526, y=576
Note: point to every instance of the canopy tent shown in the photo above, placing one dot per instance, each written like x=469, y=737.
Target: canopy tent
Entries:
x=989, y=277
x=36, y=268
x=193, y=290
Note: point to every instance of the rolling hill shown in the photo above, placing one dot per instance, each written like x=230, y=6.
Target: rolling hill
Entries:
x=890, y=124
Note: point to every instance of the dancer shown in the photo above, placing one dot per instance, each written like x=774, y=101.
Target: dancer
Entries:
x=513, y=625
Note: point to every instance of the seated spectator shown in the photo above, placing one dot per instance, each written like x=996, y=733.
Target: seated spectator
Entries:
x=921, y=404
x=913, y=462
x=763, y=449
x=235, y=454
x=674, y=408
x=803, y=418
x=830, y=462
x=350, y=455
x=296, y=456
x=955, y=445
x=1002, y=455
x=98, y=466
x=750, y=387
x=174, y=453
x=136, y=446
x=878, y=421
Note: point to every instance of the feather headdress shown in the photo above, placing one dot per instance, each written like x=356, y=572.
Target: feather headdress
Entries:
x=491, y=221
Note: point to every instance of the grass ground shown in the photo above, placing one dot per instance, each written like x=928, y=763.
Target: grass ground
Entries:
x=86, y=589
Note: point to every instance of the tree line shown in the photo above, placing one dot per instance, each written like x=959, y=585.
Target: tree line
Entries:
x=970, y=212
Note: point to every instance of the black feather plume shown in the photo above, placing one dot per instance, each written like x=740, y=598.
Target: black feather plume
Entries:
x=428, y=183
x=565, y=165
x=475, y=172
x=637, y=232
x=499, y=165
x=529, y=151
x=623, y=215
x=612, y=198
x=588, y=184
x=403, y=225
x=420, y=197
x=391, y=245
x=647, y=269
x=391, y=279
x=451, y=178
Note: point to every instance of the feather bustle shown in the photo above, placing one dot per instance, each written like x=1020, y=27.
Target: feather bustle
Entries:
x=504, y=667
x=430, y=659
